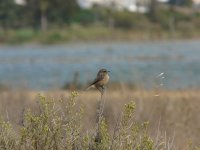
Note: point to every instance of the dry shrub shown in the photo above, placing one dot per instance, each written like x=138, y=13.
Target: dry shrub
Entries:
x=57, y=126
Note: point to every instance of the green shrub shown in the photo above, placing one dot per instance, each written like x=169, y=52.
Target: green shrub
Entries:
x=51, y=37
x=128, y=20
x=165, y=18
x=56, y=125
x=7, y=137
x=84, y=17
x=21, y=35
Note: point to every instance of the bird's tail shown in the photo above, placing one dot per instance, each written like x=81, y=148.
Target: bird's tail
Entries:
x=89, y=87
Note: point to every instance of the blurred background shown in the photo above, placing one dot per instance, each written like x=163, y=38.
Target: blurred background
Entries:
x=54, y=44
x=151, y=47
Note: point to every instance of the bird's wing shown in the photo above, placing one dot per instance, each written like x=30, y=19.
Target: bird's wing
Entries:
x=95, y=81
x=99, y=78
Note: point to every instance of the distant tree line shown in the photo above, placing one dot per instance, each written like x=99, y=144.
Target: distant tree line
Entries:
x=181, y=2
x=36, y=13
x=39, y=14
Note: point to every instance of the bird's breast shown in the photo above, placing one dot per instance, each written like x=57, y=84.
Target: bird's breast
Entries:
x=104, y=81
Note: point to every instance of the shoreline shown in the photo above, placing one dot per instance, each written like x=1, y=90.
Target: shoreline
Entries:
x=94, y=34
x=79, y=42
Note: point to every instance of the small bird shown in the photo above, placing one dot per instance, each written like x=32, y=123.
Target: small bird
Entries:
x=100, y=81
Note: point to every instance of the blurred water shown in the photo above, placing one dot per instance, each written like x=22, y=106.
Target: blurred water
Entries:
x=50, y=67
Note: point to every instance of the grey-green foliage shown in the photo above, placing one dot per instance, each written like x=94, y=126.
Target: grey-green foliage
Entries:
x=128, y=134
x=56, y=125
x=7, y=139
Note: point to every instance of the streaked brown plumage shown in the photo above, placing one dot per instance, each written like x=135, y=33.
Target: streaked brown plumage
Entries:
x=101, y=80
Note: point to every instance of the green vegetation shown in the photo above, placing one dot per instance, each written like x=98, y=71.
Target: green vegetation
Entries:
x=57, y=125
x=76, y=32
x=69, y=122
x=64, y=21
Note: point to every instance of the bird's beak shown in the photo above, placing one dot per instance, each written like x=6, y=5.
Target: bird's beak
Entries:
x=108, y=71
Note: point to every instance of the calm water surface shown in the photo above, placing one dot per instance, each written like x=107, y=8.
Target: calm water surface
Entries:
x=50, y=67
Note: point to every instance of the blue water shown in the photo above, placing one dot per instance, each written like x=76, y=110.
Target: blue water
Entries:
x=50, y=67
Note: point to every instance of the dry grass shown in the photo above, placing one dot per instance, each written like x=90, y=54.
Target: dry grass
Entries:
x=177, y=112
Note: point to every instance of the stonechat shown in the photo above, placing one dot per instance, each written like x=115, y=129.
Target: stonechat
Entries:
x=101, y=80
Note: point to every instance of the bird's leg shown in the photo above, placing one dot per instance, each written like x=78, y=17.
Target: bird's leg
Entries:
x=103, y=90
x=99, y=88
